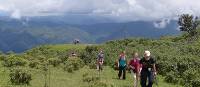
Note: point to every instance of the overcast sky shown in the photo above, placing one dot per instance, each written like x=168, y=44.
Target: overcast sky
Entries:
x=121, y=10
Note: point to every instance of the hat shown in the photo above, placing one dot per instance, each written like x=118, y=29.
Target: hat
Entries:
x=147, y=53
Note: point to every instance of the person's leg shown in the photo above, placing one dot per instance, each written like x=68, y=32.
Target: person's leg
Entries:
x=97, y=66
x=137, y=79
x=101, y=66
x=124, y=73
x=119, y=74
x=134, y=78
x=150, y=79
x=143, y=78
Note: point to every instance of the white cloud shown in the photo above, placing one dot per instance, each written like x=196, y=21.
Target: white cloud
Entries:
x=161, y=24
x=16, y=14
x=119, y=10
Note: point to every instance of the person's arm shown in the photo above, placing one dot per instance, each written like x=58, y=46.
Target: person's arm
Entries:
x=154, y=67
x=129, y=65
x=102, y=60
x=140, y=65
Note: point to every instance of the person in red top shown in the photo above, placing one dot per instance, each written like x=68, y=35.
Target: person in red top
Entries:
x=134, y=65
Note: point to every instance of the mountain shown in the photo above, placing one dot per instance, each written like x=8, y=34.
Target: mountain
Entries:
x=20, y=35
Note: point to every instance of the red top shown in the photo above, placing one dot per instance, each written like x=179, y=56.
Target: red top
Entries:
x=135, y=63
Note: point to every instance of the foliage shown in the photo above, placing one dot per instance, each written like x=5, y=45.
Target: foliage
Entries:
x=94, y=81
x=54, y=61
x=73, y=64
x=20, y=76
x=14, y=60
x=188, y=23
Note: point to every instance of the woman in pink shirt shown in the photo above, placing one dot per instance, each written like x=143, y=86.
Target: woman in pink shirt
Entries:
x=134, y=65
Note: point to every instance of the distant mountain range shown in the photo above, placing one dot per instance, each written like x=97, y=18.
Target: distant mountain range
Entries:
x=20, y=35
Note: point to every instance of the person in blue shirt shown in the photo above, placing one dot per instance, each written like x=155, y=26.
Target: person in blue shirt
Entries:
x=122, y=66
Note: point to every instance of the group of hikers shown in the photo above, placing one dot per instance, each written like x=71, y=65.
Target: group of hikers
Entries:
x=142, y=69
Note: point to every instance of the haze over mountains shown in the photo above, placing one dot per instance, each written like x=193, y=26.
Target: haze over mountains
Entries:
x=19, y=35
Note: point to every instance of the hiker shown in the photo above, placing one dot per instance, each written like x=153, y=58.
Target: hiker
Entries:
x=122, y=66
x=100, y=60
x=73, y=54
x=134, y=65
x=148, y=70
x=76, y=41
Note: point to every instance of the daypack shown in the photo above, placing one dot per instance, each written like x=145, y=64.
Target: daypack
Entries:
x=100, y=57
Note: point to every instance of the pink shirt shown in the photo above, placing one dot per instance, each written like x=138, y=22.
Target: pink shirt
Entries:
x=135, y=63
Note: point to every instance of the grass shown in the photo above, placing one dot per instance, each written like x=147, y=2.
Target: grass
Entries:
x=63, y=47
x=60, y=78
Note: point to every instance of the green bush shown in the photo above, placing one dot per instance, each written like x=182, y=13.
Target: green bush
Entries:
x=171, y=77
x=94, y=81
x=14, y=60
x=20, y=77
x=92, y=65
x=89, y=78
x=54, y=61
x=73, y=64
x=34, y=64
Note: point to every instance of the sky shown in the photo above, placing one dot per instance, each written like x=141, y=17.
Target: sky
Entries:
x=119, y=10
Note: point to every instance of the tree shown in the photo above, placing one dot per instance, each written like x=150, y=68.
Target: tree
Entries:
x=188, y=24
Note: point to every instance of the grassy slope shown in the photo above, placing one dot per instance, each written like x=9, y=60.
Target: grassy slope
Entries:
x=60, y=78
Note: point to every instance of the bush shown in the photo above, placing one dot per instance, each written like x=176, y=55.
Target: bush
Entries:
x=54, y=61
x=88, y=57
x=14, y=60
x=20, y=77
x=89, y=78
x=34, y=64
x=94, y=81
x=92, y=65
x=73, y=64
x=171, y=77
x=191, y=78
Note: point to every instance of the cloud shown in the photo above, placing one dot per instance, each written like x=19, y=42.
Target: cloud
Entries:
x=161, y=24
x=118, y=10
x=16, y=14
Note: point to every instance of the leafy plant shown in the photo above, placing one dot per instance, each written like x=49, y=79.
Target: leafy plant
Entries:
x=20, y=76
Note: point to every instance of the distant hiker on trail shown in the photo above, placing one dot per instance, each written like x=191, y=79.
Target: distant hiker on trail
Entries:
x=76, y=41
x=100, y=60
x=134, y=65
x=73, y=54
x=122, y=66
x=148, y=69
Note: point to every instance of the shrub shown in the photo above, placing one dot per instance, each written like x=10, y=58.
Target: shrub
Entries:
x=73, y=64
x=171, y=77
x=94, y=81
x=89, y=78
x=20, y=77
x=54, y=61
x=14, y=60
x=92, y=65
x=34, y=64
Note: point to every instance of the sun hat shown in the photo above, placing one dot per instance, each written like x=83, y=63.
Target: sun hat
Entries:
x=148, y=53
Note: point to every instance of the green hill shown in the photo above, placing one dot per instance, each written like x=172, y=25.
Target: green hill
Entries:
x=177, y=62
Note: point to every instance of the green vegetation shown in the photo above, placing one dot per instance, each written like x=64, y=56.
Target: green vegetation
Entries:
x=54, y=65
x=41, y=72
